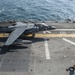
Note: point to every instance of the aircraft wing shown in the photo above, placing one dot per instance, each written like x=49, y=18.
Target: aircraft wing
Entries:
x=14, y=35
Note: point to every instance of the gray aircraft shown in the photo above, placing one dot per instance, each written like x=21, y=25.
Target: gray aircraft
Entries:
x=20, y=28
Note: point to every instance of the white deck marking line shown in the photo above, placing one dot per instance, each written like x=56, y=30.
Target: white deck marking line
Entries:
x=1, y=63
x=44, y=32
x=68, y=41
x=48, y=32
x=64, y=30
x=47, y=53
x=47, y=49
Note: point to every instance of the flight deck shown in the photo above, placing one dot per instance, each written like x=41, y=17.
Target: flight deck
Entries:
x=49, y=53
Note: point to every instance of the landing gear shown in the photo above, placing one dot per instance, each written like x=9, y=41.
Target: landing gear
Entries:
x=29, y=35
x=33, y=35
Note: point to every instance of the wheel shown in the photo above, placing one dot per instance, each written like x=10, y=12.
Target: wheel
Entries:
x=33, y=35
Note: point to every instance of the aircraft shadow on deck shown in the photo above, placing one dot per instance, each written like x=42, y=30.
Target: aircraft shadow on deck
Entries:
x=5, y=49
x=13, y=48
x=34, y=40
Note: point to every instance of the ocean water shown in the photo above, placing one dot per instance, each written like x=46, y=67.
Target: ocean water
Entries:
x=54, y=10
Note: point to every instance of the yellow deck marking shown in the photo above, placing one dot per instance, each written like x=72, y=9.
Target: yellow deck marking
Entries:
x=4, y=35
x=54, y=35
x=44, y=35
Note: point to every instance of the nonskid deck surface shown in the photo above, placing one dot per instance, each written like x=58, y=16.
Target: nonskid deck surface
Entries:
x=49, y=55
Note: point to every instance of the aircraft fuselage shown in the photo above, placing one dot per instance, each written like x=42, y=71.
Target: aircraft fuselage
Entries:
x=30, y=27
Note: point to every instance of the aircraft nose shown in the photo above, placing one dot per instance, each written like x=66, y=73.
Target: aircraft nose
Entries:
x=51, y=27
